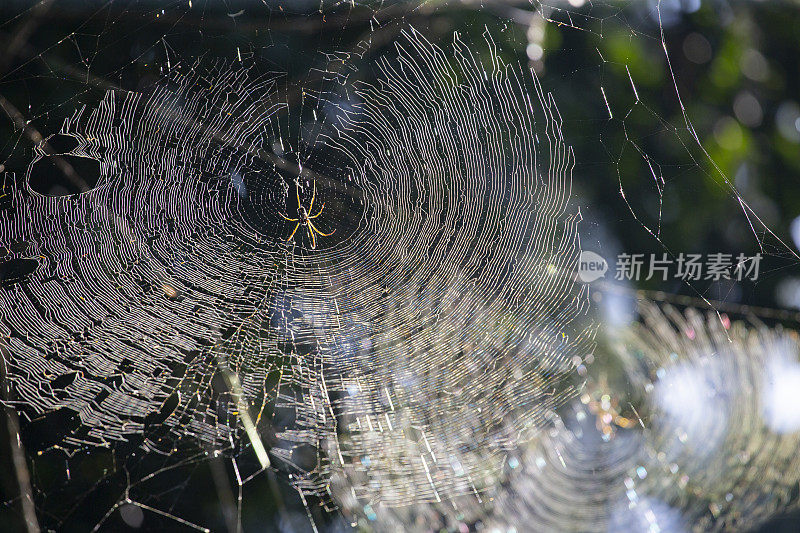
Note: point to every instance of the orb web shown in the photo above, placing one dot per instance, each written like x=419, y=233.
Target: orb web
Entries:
x=408, y=366
x=474, y=324
x=704, y=415
x=706, y=418
x=432, y=311
x=715, y=393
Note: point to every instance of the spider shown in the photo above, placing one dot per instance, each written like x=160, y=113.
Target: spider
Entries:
x=304, y=218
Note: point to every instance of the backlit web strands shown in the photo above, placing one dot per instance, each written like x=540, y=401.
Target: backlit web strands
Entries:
x=721, y=425
x=132, y=283
x=460, y=325
x=713, y=424
x=705, y=416
x=405, y=354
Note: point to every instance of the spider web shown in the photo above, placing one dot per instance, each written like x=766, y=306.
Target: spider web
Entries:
x=163, y=330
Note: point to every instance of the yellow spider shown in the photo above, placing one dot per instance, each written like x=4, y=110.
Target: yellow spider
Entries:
x=304, y=218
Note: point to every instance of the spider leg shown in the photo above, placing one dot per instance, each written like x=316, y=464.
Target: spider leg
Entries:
x=293, y=232
x=318, y=214
x=313, y=195
x=287, y=218
x=313, y=238
x=313, y=227
x=297, y=191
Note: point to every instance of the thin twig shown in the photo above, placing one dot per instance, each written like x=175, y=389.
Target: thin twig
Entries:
x=17, y=451
x=229, y=508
